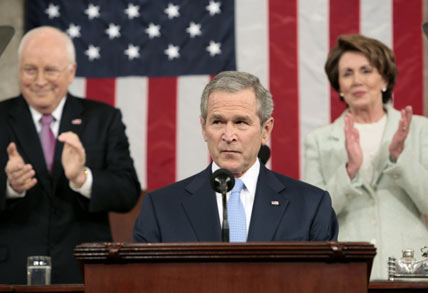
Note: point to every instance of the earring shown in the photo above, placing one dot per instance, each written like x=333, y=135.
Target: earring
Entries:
x=384, y=90
x=341, y=94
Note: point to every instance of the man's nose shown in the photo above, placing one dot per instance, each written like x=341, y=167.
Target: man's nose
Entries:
x=229, y=132
x=40, y=77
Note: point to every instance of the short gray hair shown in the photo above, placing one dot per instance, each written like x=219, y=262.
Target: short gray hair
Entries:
x=71, y=51
x=234, y=81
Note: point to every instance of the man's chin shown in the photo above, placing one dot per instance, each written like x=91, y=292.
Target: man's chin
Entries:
x=231, y=166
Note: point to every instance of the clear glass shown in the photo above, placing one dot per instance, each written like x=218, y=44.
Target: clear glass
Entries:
x=39, y=270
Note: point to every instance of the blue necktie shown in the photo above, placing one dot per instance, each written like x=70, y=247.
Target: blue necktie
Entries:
x=236, y=214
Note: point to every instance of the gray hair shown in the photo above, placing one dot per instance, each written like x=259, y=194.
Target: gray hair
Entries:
x=71, y=52
x=234, y=81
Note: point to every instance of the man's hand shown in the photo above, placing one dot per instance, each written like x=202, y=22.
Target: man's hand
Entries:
x=73, y=158
x=397, y=143
x=20, y=175
x=353, y=147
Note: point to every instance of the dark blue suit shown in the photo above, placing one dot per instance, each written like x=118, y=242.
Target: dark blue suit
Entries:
x=52, y=219
x=187, y=211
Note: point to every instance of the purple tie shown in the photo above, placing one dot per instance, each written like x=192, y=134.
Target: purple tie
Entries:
x=47, y=139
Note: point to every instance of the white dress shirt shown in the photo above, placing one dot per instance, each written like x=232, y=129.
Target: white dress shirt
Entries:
x=247, y=194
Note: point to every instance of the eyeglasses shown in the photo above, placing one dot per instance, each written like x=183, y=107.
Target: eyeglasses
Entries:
x=50, y=73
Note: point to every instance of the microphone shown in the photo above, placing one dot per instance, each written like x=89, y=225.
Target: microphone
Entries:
x=264, y=154
x=223, y=181
x=6, y=34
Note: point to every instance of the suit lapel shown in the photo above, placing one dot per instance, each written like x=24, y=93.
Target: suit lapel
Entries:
x=28, y=141
x=269, y=207
x=201, y=208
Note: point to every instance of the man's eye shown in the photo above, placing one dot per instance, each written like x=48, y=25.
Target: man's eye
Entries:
x=51, y=70
x=30, y=70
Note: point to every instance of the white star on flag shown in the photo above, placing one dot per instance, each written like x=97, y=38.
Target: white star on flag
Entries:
x=93, y=52
x=214, y=8
x=172, y=52
x=153, y=30
x=172, y=11
x=214, y=48
x=92, y=11
x=194, y=29
x=132, y=11
x=132, y=52
x=73, y=31
x=113, y=31
x=52, y=11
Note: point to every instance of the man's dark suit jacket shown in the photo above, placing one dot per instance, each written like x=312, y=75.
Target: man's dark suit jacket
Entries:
x=52, y=219
x=187, y=211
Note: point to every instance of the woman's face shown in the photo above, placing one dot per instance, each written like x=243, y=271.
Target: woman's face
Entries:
x=360, y=83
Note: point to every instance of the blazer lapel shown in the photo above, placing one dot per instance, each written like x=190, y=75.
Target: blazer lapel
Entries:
x=269, y=207
x=28, y=141
x=201, y=208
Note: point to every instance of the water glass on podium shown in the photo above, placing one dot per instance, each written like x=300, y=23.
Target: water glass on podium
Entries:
x=39, y=270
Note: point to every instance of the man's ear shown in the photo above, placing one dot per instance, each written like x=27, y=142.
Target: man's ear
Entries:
x=204, y=133
x=267, y=130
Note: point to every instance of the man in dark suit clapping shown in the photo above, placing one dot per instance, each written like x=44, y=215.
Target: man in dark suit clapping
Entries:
x=66, y=163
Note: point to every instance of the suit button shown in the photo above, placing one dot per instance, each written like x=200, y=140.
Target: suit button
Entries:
x=349, y=196
x=395, y=175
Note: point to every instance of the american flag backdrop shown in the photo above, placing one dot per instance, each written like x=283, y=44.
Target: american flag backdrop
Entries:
x=152, y=59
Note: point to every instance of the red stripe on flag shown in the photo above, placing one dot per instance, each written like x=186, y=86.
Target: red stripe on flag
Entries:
x=161, y=132
x=283, y=74
x=344, y=19
x=101, y=89
x=408, y=49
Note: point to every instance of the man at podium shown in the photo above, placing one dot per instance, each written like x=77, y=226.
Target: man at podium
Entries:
x=236, y=119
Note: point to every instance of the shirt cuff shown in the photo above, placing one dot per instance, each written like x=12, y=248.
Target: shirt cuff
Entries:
x=85, y=189
x=11, y=193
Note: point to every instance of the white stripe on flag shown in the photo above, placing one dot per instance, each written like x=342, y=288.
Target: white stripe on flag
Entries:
x=252, y=43
x=131, y=99
x=192, y=152
x=314, y=89
x=376, y=20
x=78, y=87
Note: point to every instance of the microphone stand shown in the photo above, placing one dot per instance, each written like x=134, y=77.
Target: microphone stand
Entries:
x=225, y=226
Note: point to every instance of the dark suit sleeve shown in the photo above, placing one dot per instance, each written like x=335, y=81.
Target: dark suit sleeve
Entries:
x=115, y=185
x=146, y=228
x=324, y=226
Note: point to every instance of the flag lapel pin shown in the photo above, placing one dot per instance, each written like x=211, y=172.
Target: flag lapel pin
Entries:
x=274, y=203
x=76, y=121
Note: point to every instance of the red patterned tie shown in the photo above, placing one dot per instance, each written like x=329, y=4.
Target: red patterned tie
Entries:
x=47, y=138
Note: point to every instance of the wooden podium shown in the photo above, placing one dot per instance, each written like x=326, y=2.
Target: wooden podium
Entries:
x=226, y=267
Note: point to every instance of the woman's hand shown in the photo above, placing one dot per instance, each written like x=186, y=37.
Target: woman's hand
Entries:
x=353, y=147
x=397, y=143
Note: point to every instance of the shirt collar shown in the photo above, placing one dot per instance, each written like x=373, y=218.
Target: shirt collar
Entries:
x=249, y=178
x=56, y=113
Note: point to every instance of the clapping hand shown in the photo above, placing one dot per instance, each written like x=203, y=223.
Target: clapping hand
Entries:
x=20, y=175
x=353, y=147
x=397, y=143
x=73, y=158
